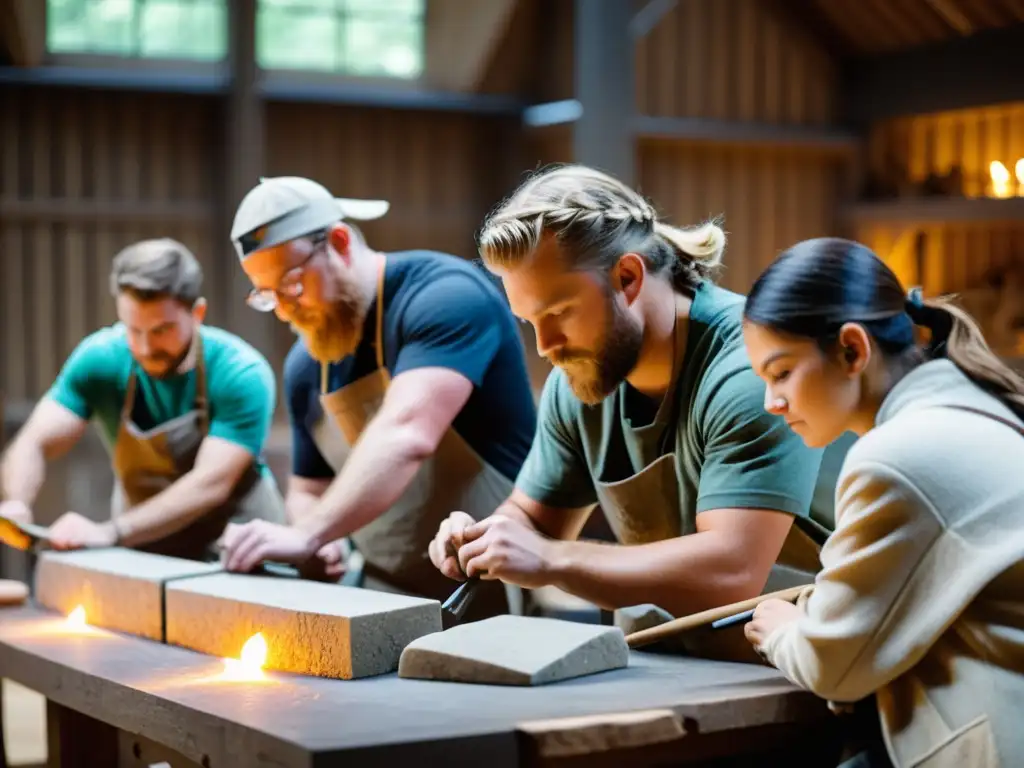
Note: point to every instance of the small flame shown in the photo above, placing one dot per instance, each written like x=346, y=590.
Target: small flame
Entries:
x=1018, y=170
x=1000, y=179
x=249, y=664
x=77, y=618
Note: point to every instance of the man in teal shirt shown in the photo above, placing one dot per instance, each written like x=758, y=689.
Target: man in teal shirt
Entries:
x=185, y=410
x=652, y=413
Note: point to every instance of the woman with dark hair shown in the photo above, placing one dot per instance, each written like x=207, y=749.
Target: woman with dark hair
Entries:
x=920, y=600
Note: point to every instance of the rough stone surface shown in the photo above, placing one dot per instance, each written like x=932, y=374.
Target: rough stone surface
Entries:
x=120, y=589
x=636, y=618
x=311, y=628
x=515, y=650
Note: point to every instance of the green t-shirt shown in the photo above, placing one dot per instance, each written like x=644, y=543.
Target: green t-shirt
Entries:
x=240, y=388
x=729, y=452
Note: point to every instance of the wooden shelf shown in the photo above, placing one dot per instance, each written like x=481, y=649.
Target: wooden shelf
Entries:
x=937, y=210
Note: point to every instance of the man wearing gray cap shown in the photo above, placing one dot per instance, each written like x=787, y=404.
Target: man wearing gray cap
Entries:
x=407, y=391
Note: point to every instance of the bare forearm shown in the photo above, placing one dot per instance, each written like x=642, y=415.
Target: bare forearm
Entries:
x=682, y=575
x=186, y=500
x=299, y=504
x=22, y=471
x=376, y=474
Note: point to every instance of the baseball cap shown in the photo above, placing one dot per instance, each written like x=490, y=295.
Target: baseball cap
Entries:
x=283, y=208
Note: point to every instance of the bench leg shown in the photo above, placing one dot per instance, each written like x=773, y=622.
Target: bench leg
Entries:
x=75, y=740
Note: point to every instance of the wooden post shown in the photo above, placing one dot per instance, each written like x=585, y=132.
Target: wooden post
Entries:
x=246, y=158
x=605, y=87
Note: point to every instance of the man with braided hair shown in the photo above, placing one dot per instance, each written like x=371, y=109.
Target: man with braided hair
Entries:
x=652, y=413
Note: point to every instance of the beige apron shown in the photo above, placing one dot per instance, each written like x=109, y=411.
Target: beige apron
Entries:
x=147, y=462
x=395, y=545
x=646, y=508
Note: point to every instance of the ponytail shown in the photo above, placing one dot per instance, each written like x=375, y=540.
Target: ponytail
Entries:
x=702, y=246
x=956, y=336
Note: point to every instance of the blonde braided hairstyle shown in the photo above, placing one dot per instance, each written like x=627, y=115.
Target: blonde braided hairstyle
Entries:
x=595, y=219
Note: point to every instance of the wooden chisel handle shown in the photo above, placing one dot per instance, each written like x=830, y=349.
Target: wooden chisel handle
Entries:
x=686, y=623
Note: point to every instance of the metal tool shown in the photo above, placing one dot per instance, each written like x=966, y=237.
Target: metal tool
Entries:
x=455, y=606
x=736, y=618
x=23, y=536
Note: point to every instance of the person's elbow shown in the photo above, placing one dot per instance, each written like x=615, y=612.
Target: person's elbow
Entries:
x=415, y=440
x=811, y=661
x=219, y=467
x=735, y=576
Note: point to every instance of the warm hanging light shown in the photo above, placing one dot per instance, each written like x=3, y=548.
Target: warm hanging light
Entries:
x=1000, y=179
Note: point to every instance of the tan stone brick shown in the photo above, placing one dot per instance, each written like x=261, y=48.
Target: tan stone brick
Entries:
x=310, y=628
x=120, y=589
x=515, y=650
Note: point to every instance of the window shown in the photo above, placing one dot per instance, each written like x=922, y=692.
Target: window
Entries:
x=367, y=38
x=152, y=29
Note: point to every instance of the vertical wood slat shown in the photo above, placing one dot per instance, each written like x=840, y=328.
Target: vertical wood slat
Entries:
x=733, y=60
x=958, y=256
x=769, y=200
x=107, y=147
x=963, y=258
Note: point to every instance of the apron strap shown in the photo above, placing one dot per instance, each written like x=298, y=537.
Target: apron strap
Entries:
x=201, y=402
x=129, y=396
x=380, y=320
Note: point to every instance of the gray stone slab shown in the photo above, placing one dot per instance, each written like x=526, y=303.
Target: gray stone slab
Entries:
x=120, y=589
x=310, y=628
x=515, y=650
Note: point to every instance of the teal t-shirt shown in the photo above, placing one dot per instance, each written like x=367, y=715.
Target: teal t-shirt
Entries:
x=240, y=385
x=729, y=451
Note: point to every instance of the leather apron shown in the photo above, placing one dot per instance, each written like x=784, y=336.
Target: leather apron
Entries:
x=647, y=507
x=147, y=462
x=395, y=545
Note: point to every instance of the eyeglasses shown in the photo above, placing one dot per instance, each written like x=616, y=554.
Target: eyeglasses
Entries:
x=290, y=288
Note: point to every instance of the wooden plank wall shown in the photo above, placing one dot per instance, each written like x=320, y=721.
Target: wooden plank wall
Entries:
x=83, y=174
x=730, y=60
x=440, y=171
x=735, y=60
x=957, y=256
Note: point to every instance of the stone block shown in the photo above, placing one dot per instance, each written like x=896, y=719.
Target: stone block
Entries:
x=310, y=628
x=120, y=589
x=515, y=650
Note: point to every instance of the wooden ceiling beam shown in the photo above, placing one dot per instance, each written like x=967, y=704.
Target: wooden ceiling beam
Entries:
x=804, y=18
x=960, y=73
x=463, y=36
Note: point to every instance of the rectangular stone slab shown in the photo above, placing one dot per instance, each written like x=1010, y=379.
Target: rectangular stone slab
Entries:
x=311, y=628
x=515, y=650
x=120, y=589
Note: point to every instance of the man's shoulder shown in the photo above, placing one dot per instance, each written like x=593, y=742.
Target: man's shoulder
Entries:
x=105, y=349
x=718, y=309
x=231, y=361
x=444, y=281
x=301, y=369
x=560, y=403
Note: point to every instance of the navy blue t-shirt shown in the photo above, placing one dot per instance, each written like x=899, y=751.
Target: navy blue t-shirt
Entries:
x=439, y=311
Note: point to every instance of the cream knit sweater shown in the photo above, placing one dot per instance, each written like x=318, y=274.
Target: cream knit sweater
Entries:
x=921, y=593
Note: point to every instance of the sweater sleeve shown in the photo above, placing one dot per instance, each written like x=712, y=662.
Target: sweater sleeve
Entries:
x=876, y=607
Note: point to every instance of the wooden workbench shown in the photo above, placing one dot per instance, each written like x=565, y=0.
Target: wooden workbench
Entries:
x=113, y=694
